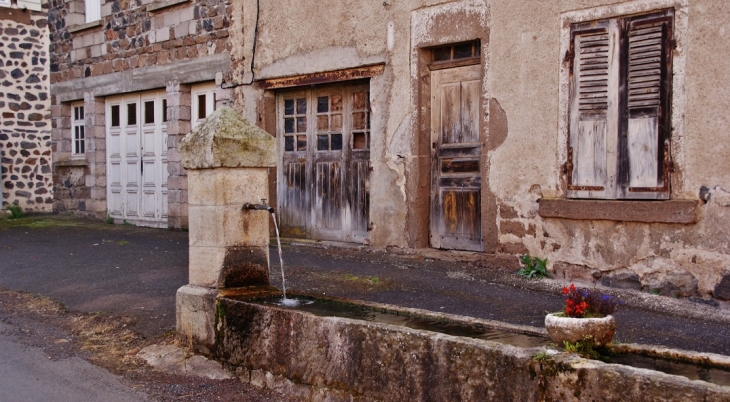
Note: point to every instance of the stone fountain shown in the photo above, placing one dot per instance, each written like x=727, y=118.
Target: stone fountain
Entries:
x=227, y=159
x=318, y=358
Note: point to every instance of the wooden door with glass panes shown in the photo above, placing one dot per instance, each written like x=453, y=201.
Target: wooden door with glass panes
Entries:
x=137, y=158
x=324, y=135
x=455, y=159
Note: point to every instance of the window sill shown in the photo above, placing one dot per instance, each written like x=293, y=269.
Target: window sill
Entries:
x=14, y=14
x=159, y=5
x=72, y=163
x=671, y=211
x=83, y=27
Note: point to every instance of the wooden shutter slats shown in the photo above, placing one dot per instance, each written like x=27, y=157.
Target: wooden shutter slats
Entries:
x=593, y=71
x=587, y=164
x=619, y=120
x=645, y=69
x=646, y=132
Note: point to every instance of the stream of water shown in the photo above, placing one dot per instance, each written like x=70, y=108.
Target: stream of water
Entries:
x=284, y=301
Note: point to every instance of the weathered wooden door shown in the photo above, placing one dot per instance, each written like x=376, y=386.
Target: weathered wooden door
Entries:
x=322, y=183
x=137, y=158
x=455, y=153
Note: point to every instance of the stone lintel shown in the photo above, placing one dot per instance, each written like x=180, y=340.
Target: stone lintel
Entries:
x=227, y=139
x=161, y=4
x=144, y=78
x=72, y=163
x=83, y=27
x=671, y=211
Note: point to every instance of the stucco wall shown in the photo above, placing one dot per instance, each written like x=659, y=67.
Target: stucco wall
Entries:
x=25, y=137
x=525, y=124
x=523, y=100
x=524, y=76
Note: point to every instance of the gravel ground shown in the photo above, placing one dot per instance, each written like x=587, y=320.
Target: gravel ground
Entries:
x=106, y=341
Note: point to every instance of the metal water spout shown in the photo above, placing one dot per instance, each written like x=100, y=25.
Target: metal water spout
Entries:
x=259, y=207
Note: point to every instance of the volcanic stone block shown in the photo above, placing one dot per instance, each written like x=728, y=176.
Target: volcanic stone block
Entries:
x=722, y=289
x=622, y=279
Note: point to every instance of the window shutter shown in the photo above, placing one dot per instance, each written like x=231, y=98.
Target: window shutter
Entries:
x=93, y=10
x=589, y=168
x=34, y=5
x=645, y=141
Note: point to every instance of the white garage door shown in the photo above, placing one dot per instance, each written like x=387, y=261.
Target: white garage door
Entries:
x=136, y=127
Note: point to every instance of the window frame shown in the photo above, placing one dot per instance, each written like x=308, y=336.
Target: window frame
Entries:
x=673, y=112
x=78, y=124
x=5, y=3
x=207, y=90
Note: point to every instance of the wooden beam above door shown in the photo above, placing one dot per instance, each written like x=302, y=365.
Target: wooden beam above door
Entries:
x=323, y=77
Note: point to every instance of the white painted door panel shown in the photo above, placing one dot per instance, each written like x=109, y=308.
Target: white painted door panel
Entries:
x=137, y=158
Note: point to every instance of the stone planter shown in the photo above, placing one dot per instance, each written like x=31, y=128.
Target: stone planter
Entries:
x=562, y=329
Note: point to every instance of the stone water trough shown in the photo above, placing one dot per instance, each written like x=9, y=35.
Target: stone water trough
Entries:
x=327, y=358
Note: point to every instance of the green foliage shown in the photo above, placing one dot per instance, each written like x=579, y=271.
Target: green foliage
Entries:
x=371, y=279
x=125, y=223
x=15, y=211
x=109, y=220
x=542, y=357
x=583, y=348
x=122, y=242
x=533, y=267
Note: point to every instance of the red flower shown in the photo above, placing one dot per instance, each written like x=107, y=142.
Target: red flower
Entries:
x=565, y=290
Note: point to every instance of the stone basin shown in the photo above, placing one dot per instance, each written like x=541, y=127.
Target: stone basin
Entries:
x=337, y=358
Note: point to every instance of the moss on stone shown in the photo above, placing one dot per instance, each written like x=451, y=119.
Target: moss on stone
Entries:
x=226, y=139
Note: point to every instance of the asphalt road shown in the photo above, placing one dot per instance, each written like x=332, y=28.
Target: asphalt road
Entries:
x=28, y=374
x=91, y=266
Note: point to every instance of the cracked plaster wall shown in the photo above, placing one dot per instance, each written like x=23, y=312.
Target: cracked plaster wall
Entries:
x=525, y=124
x=340, y=35
x=525, y=59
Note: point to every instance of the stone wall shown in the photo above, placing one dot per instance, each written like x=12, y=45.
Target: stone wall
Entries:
x=25, y=129
x=334, y=358
x=134, y=34
x=134, y=47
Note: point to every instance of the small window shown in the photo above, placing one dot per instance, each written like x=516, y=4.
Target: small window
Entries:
x=203, y=99
x=132, y=114
x=115, y=115
x=361, y=121
x=149, y=112
x=201, y=107
x=460, y=51
x=78, y=128
x=295, y=122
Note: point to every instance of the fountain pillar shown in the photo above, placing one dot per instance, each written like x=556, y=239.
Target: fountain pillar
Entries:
x=227, y=160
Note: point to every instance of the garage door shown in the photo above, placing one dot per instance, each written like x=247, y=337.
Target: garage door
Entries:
x=136, y=127
x=324, y=148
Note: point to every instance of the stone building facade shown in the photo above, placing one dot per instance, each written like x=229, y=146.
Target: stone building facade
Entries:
x=25, y=129
x=129, y=76
x=579, y=133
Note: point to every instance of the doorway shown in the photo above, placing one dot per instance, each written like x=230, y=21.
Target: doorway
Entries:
x=455, y=221
x=136, y=127
x=324, y=153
